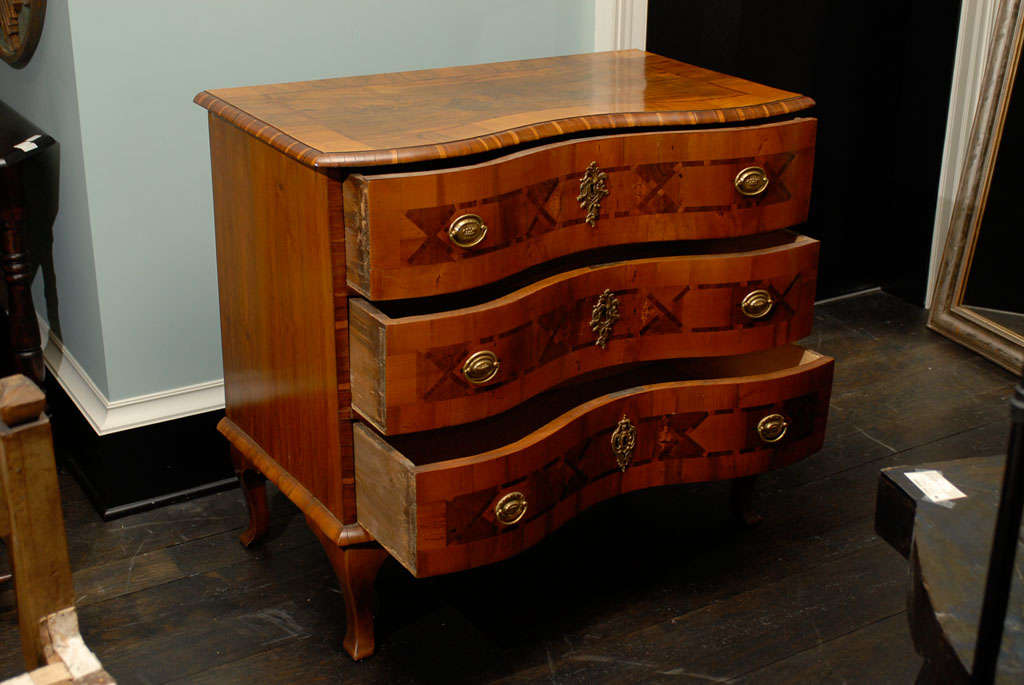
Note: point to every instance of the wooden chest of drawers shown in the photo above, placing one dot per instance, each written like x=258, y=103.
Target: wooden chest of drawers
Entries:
x=460, y=306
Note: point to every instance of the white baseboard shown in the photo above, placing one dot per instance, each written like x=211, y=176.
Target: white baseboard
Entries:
x=620, y=24
x=110, y=417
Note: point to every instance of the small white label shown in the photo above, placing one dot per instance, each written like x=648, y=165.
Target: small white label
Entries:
x=26, y=146
x=935, y=486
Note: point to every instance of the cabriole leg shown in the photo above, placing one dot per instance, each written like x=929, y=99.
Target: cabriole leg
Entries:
x=254, y=487
x=741, y=501
x=356, y=568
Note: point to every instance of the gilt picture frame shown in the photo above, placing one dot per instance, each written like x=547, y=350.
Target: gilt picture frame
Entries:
x=948, y=314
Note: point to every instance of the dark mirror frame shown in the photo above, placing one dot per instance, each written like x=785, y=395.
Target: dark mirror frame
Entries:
x=948, y=314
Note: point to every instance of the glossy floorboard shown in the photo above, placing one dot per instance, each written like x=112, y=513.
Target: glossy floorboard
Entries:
x=811, y=595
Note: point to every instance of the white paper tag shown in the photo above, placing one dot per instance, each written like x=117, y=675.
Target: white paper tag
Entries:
x=935, y=486
x=26, y=146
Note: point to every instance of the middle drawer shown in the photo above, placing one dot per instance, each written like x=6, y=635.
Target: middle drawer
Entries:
x=414, y=373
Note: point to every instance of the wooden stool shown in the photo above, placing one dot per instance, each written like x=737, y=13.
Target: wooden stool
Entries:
x=32, y=525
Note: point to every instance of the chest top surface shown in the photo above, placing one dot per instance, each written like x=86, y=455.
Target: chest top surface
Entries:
x=434, y=114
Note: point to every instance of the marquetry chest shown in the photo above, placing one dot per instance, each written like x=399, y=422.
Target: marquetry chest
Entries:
x=460, y=306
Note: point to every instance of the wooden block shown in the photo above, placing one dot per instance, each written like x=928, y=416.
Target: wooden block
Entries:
x=21, y=400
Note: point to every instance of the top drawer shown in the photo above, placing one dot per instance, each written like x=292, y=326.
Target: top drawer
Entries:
x=426, y=233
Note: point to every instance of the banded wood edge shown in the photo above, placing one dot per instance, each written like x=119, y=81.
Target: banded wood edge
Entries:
x=495, y=141
x=314, y=510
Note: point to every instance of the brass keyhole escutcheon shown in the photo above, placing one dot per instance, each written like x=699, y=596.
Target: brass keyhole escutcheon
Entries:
x=751, y=181
x=623, y=442
x=772, y=428
x=593, y=188
x=603, y=317
x=757, y=304
x=467, y=230
x=481, y=367
x=511, y=508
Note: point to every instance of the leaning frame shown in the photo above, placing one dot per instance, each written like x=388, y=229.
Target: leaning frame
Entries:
x=948, y=315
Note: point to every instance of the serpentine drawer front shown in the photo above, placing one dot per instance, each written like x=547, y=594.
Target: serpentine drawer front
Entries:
x=430, y=232
x=426, y=371
x=451, y=500
x=459, y=306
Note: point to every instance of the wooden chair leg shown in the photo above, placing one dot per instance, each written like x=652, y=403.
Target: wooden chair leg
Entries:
x=35, y=524
x=741, y=501
x=18, y=268
x=356, y=568
x=254, y=487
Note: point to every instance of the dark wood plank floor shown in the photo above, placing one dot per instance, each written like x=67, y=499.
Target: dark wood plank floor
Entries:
x=811, y=595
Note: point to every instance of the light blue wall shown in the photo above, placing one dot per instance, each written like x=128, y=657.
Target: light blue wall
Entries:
x=45, y=92
x=138, y=64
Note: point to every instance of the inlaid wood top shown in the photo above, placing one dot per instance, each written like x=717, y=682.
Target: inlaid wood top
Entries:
x=435, y=114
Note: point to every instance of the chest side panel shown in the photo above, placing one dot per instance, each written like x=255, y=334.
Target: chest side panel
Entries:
x=277, y=308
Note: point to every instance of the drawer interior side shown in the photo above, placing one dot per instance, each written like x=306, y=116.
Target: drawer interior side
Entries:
x=386, y=495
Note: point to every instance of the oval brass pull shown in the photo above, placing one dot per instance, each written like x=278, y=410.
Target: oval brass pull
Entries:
x=467, y=230
x=593, y=188
x=481, y=367
x=772, y=428
x=603, y=316
x=623, y=442
x=510, y=508
x=751, y=181
x=757, y=304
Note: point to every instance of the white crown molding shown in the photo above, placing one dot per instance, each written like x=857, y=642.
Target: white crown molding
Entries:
x=110, y=417
x=620, y=24
x=975, y=37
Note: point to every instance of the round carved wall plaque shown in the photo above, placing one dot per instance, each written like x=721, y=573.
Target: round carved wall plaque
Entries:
x=21, y=24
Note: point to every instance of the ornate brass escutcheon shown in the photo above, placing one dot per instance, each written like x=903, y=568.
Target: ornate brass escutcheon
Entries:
x=603, y=316
x=593, y=188
x=481, y=367
x=510, y=508
x=623, y=442
x=751, y=181
x=757, y=304
x=772, y=428
x=467, y=230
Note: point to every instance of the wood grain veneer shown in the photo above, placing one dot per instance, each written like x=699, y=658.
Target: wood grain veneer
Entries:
x=407, y=371
x=662, y=186
x=281, y=365
x=437, y=517
x=433, y=114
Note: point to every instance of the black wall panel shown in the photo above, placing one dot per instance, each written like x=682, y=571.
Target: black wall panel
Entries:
x=881, y=74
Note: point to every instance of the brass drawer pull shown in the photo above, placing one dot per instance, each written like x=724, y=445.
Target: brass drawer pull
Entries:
x=603, y=316
x=467, y=230
x=757, y=304
x=772, y=428
x=481, y=367
x=751, y=181
x=511, y=508
x=593, y=188
x=623, y=442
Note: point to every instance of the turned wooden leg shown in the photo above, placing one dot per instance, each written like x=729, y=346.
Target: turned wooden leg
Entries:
x=18, y=269
x=254, y=487
x=356, y=568
x=741, y=501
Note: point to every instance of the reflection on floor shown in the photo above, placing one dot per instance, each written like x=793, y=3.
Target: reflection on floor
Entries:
x=654, y=586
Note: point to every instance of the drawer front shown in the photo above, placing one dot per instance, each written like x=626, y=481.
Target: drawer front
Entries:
x=424, y=233
x=459, y=513
x=429, y=371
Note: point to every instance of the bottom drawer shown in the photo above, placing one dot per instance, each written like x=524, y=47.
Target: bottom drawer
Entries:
x=451, y=499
